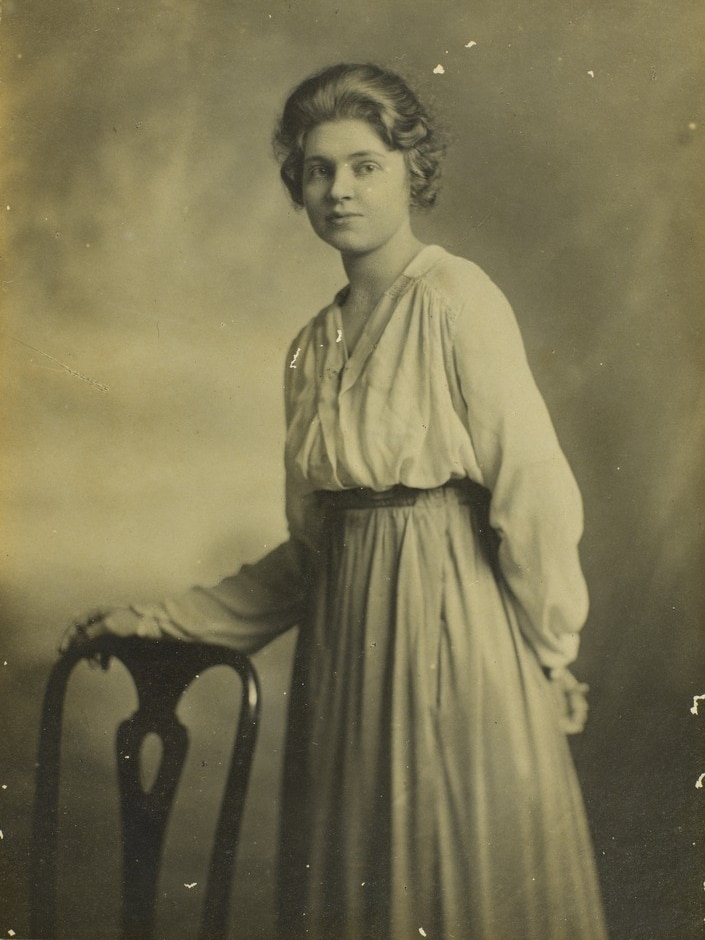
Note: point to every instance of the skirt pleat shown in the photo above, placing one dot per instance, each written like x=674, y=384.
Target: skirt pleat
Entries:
x=428, y=785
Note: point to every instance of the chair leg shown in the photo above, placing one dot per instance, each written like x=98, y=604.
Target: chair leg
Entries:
x=46, y=804
x=216, y=905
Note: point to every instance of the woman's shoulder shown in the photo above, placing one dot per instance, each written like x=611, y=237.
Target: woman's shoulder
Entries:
x=462, y=285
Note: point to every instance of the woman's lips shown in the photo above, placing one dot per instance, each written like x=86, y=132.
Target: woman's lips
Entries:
x=340, y=217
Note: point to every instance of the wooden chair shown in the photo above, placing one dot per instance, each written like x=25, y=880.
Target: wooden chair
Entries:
x=161, y=670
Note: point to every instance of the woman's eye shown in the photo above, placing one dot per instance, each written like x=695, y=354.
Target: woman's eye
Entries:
x=317, y=172
x=364, y=169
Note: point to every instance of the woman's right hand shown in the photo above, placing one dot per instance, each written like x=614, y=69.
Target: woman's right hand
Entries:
x=570, y=696
x=113, y=621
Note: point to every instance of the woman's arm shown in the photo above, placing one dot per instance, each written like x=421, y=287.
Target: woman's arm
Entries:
x=536, y=507
x=245, y=611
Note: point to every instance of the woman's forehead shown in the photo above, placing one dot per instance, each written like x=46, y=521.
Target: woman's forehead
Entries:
x=343, y=137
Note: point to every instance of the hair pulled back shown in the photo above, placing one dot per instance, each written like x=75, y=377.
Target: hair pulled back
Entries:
x=369, y=93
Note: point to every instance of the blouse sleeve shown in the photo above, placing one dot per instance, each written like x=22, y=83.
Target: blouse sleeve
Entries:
x=245, y=611
x=536, y=506
x=249, y=609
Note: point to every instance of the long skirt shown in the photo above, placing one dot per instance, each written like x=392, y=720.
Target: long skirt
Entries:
x=429, y=790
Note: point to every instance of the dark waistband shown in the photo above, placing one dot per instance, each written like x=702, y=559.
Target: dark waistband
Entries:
x=360, y=497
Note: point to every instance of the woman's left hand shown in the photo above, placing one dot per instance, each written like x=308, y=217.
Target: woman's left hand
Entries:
x=571, y=700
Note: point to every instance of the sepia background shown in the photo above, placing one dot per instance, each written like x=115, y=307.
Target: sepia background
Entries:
x=154, y=277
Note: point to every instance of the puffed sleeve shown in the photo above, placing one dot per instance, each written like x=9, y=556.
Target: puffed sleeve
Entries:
x=252, y=607
x=536, y=506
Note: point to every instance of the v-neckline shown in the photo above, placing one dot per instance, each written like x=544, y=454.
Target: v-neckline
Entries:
x=379, y=316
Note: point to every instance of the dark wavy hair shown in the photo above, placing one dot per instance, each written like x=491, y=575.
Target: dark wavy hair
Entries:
x=369, y=93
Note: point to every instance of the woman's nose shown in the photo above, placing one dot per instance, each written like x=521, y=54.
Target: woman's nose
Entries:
x=342, y=183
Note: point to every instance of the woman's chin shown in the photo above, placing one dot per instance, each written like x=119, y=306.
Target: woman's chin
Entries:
x=344, y=240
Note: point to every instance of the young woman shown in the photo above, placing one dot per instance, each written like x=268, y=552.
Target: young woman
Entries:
x=432, y=569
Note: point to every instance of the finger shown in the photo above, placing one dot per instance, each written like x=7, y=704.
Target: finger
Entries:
x=94, y=616
x=573, y=727
x=577, y=719
x=576, y=714
x=577, y=702
x=70, y=636
x=83, y=630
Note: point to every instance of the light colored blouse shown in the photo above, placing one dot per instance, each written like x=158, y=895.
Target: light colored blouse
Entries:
x=437, y=387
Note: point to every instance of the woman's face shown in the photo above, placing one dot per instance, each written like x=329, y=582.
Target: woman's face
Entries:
x=355, y=189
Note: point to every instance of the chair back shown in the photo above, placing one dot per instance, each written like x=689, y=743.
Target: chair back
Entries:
x=161, y=670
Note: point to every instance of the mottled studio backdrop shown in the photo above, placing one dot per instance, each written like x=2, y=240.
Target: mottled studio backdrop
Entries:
x=154, y=277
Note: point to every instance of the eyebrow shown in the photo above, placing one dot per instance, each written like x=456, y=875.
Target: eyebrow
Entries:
x=351, y=156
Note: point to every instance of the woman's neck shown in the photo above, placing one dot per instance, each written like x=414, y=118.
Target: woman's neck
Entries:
x=371, y=274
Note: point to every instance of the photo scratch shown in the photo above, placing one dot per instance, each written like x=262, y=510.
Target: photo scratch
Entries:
x=696, y=699
x=486, y=216
x=700, y=782
x=79, y=375
x=292, y=364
